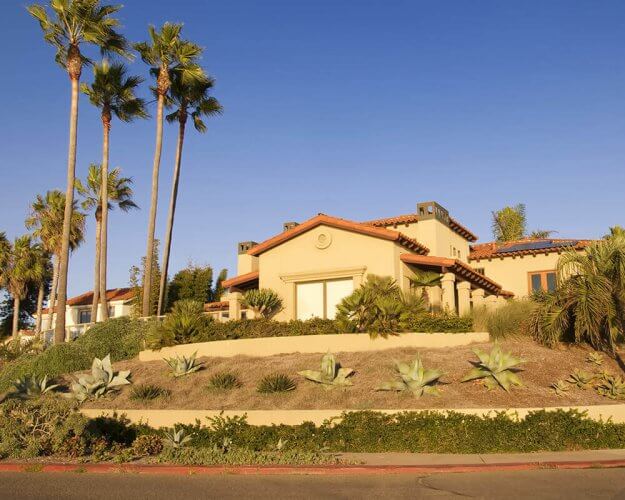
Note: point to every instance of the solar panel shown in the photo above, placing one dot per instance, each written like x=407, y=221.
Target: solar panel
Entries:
x=536, y=245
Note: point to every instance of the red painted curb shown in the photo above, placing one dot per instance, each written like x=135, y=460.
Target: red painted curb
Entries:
x=304, y=469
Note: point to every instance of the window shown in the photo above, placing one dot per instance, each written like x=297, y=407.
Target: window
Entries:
x=111, y=312
x=319, y=299
x=542, y=281
x=84, y=317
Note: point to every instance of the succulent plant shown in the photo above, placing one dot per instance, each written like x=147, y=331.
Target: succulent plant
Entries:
x=497, y=368
x=225, y=381
x=147, y=392
x=278, y=382
x=181, y=366
x=331, y=373
x=31, y=386
x=559, y=387
x=594, y=358
x=176, y=438
x=415, y=378
x=612, y=387
x=101, y=381
x=581, y=379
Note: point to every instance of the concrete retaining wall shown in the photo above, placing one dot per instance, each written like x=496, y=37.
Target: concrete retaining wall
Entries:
x=344, y=342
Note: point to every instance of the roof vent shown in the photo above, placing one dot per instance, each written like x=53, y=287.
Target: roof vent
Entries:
x=289, y=225
x=244, y=246
x=432, y=210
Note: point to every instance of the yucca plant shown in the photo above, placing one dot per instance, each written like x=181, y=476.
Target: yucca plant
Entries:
x=148, y=392
x=331, y=373
x=176, y=438
x=225, y=381
x=612, y=387
x=263, y=301
x=31, y=386
x=181, y=366
x=277, y=382
x=581, y=379
x=415, y=378
x=101, y=381
x=594, y=358
x=497, y=369
x=560, y=387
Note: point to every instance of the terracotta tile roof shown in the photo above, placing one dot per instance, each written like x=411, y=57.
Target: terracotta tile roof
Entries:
x=457, y=267
x=409, y=218
x=490, y=250
x=115, y=294
x=216, y=306
x=327, y=220
x=243, y=279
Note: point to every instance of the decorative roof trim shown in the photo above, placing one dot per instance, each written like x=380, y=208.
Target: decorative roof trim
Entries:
x=454, y=225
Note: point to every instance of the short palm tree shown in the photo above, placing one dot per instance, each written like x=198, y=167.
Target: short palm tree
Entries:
x=68, y=25
x=423, y=280
x=188, y=99
x=165, y=52
x=119, y=193
x=46, y=219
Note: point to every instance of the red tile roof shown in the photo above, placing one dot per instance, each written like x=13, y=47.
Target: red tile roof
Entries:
x=347, y=225
x=243, y=279
x=216, y=306
x=115, y=294
x=489, y=250
x=410, y=218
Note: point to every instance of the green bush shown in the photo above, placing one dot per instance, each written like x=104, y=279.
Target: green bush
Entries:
x=506, y=321
x=258, y=328
x=439, y=322
x=183, y=325
x=242, y=456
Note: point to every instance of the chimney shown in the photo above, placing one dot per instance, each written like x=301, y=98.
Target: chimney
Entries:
x=432, y=210
x=246, y=263
x=289, y=225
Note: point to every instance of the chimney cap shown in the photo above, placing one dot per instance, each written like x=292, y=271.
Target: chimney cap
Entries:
x=244, y=246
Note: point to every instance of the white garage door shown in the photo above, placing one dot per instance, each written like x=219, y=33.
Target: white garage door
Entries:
x=319, y=299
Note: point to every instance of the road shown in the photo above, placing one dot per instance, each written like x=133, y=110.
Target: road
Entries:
x=537, y=484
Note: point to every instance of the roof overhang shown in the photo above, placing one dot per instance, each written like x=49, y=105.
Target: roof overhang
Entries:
x=243, y=281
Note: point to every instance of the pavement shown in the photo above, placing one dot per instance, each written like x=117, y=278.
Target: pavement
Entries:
x=537, y=484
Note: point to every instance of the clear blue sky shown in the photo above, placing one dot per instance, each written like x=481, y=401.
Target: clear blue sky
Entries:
x=353, y=108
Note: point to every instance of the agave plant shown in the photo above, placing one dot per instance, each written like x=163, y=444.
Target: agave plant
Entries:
x=181, y=366
x=331, y=373
x=101, y=381
x=497, y=368
x=594, y=358
x=31, y=386
x=176, y=438
x=612, y=387
x=559, y=387
x=581, y=379
x=415, y=378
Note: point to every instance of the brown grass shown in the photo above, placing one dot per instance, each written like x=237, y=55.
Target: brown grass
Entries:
x=543, y=366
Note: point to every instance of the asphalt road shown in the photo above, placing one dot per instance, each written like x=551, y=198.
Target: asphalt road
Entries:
x=573, y=484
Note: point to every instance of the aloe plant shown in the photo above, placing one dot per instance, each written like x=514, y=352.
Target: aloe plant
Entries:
x=581, y=379
x=176, y=438
x=560, y=387
x=101, y=381
x=331, y=373
x=612, y=387
x=497, y=368
x=594, y=358
x=31, y=386
x=415, y=378
x=181, y=366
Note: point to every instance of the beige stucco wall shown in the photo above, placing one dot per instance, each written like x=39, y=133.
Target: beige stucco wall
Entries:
x=512, y=272
x=348, y=255
x=72, y=313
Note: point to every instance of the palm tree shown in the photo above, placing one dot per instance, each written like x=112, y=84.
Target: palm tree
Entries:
x=44, y=267
x=71, y=24
x=423, y=280
x=46, y=219
x=5, y=252
x=165, y=52
x=119, y=192
x=21, y=269
x=193, y=98
x=114, y=94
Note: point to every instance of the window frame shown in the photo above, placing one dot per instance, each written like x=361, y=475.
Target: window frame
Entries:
x=324, y=282
x=80, y=313
x=543, y=279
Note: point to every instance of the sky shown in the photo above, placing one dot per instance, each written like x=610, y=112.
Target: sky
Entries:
x=354, y=108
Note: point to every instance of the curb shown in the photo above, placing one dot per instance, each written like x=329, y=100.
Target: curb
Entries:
x=186, y=470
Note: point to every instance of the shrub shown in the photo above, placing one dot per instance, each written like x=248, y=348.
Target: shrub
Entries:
x=224, y=381
x=183, y=325
x=243, y=456
x=147, y=392
x=264, y=301
x=278, y=382
x=147, y=445
x=438, y=322
x=506, y=321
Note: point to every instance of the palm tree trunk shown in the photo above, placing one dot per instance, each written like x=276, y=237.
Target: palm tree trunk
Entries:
x=55, y=283
x=59, y=328
x=40, y=295
x=106, y=125
x=162, y=295
x=149, y=252
x=96, y=274
x=16, y=316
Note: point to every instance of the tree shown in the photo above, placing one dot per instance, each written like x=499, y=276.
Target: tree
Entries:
x=69, y=25
x=195, y=283
x=423, y=280
x=615, y=231
x=540, y=234
x=191, y=97
x=46, y=219
x=119, y=193
x=41, y=282
x=165, y=52
x=509, y=223
x=137, y=277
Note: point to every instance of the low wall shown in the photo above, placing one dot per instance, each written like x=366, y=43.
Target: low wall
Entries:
x=167, y=418
x=344, y=342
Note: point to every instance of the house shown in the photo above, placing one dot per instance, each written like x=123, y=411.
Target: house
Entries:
x=78, y=309
x=315, y=264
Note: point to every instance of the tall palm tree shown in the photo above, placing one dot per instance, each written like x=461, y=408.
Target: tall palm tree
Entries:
x=188, y=99
x=114, y=94
x=119, y=192
x=165, y=52
x=46, y=219
x=67, y=26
